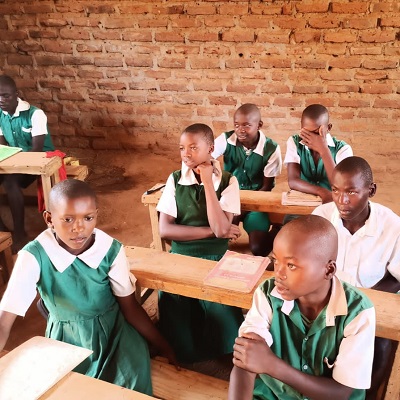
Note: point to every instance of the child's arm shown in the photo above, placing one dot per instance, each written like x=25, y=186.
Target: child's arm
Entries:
x=296, y=183
x=6, y=322
x=139, y=319
x=253, y=354
x=268, y=184
x=388, y=284
x=241, y=384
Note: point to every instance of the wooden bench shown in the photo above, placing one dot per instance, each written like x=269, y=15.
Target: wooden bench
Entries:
x=249, y=201
x=185, y=275
x=6, y=260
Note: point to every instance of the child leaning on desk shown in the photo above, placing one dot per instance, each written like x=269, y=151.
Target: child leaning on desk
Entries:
x=255, y=160
x=196, y=211
x=312, y=155
x=82, y=275
x=307, y=334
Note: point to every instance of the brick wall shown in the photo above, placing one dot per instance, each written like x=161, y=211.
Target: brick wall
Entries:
x=132, y=74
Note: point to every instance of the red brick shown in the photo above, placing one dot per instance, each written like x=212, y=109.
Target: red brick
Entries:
x=157, y=74
x=137, y=98
x=37, y=97
x=204, y=63
x=49, y=34
x=118, y=73
x=325, y=101
x=79, y=86
x=345, y=62
x=174, y=86
x=103, y=97
x=169, y=37
x=312, y=7
x=238, y=36
x=70, y=96
x=132, y=8
x=55, y=108
x=38, y=9
x=275, y=88
x=251, y=21
x=185, y=49
x=386, y=103
x=188, y=99
x=287, y=9
x=13, y=35
x=153, y=23
x=56, y=22
x=343, y=88
x=333, y=49
x=74, y=34
x=288, y=102
x=100, y=9
x=371, y=113
x=360, y=23
x=371, y=75
x=115, y=60
x=184, y=21
x=168, y=10
x=29, y=47
x=230, y=8
x=222, y=100
x=207, y=85
x=11, y=9
x=239, y=63
x=219, y=21
x=200, y=9
x=386, y=6
x=380, y=64
x=21, y=21
x=393, y=21
x=48, y=60
x=274, y=36
x=112, y=85
x=26, y=83
x=308, y=89
x=81, y=60
x=147, y=49
x=239, y=88
x=275, y=62
x=261, y=101
x=341, y=36
x=354, y=103
x=377, y=88
x=65, y=72
x=52, y=84
x=91, y=132
x=19, y=59
x=137, y=36
x=171, y=62
x=139, y=61
x=123, y=48
x=104, y=122
x=357, y=50
x=85, y=21
x=341, y=115
x=210, y=112
x=58, y=46
x=353, y=7
x=71, y=7
x=391, y=50
x=291, y=22
x=307, y=35
x=311, y=63
x=265, y=9
x=118, y=23
x=203, y=36
x=376, y=36
x=324, y=22
x=89, y=73
x=107, y=35
x=89, y=48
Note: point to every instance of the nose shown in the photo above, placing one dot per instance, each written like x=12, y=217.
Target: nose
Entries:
x=279, y=272
x=343, y=198
x=78, y=226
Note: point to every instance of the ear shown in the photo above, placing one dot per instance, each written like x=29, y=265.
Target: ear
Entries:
x=329, y=127
x=372, y=189
x=330, y=269
x=260, y=124
x=47, y=218
x=211, y=148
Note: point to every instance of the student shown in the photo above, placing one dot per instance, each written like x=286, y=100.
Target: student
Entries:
x=196, y=212
x=312, y=155
x=369, y=241
x=255, y=160
x=25, y=126
x=308, y=335
x=82, y=275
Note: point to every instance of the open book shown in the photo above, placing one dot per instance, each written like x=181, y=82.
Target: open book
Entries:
x=236, y=271
x=8, y=151
x=295, y=198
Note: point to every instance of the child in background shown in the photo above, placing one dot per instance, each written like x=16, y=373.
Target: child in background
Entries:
x=25, y=126
x=255, y=160
x=369, y=243
x=307, y=334
x=82, y=275
x=196, y=211
x=312, y=155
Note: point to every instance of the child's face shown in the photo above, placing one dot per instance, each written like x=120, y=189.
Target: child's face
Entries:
x=300, y=273
x=8, y=98
x=195, y=149
x=246, y=127
x=319, y=127
x=73, y=221
x=351, y=194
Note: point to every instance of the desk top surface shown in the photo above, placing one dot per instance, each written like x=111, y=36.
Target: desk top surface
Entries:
x=185, y=275
x=33, y=163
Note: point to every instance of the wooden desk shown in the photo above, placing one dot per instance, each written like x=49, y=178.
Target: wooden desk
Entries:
x=249, y=201
x=34, y=163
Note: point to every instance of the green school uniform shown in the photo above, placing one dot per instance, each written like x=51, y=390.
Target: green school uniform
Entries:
x=197, y=329
x=311, y=173
x=84, y=312
x=17, y=130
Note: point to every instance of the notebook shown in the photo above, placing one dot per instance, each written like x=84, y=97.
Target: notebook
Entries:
x=8, y=151
x=295, y=198
x=236, y=271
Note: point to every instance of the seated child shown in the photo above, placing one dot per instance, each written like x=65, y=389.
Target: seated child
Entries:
x=25, y=126
x=307, y=334
x=312, y=155
x=369, y=241
x=255, y=160
x=82, y=275
x=196, y=211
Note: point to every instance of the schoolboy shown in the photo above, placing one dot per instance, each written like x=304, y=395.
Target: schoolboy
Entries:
x=25, y=126
x=306, y=331
x=369, y=240
x=312, y=155
x=255, y=160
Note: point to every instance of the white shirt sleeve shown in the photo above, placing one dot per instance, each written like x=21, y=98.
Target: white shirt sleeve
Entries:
x=21, y=289
x=344, y=152
x=258, y=319
x=230, y=197
x=274, y=164
x=39, y=123
x=122, y=280
x=1, y=132
x=291, y=152
x=220, y=144
x=356, y=352
x=167, y=202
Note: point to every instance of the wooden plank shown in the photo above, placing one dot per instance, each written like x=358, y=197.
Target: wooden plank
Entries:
x=77, y=171
x=184, y=275
x=393, y=386
x=170, y=384
x=6, y=259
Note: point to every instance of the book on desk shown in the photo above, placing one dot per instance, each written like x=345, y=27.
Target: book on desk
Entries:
x=8, y=151
x=296, y=198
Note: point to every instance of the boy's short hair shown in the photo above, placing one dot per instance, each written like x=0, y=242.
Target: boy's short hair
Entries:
x=201, y=129
x=353, y=165
x=70, y=189
x=6, y=80
x=315, y=112
x=248, y=108
x=318, y=229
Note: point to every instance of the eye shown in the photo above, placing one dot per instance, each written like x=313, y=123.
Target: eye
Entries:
x=273, y=259
x=89, y=218
x=180, y=148
x=334, y=190
x=351, y=192
x=68, y=220
x=193, y=148
x=292, y=267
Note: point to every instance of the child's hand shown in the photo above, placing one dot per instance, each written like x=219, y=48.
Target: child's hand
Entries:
x=316, y=142
x=205, y=171
x=252, y=353
x=234, y=232
x=168, y=352
x=325, y=194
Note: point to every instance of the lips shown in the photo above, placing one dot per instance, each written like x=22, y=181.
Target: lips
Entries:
x=79, y=240
x=280, y=288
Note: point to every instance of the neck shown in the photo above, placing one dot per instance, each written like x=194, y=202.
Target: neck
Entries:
x=311, y=305
x=355, y=224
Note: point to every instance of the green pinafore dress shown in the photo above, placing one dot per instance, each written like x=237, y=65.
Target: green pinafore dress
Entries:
x=84, y=312
x=197, y=329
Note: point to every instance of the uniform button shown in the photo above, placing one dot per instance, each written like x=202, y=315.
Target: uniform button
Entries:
x=244, y=170
x=305, y=367
x=306, y=338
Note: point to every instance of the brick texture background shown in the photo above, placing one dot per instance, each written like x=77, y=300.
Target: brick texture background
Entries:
x=133, y=74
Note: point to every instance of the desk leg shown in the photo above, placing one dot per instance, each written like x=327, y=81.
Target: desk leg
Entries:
x=393, y=386
x=46, y=184
x=158, y=243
